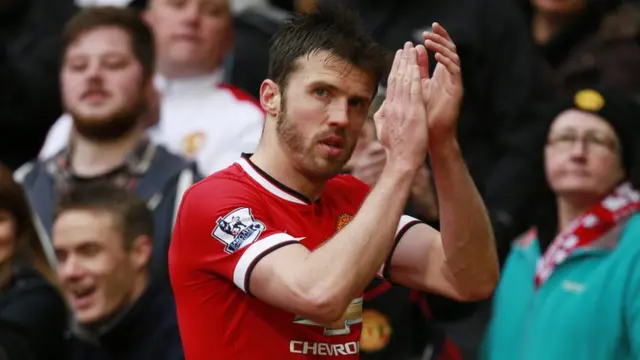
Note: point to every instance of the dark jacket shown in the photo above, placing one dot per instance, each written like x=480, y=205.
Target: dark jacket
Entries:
x=33, y=318
x=147, y=330
x=161, y=186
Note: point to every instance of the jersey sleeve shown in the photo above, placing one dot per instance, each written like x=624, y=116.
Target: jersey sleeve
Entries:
x=361, y=190
x=224, y=228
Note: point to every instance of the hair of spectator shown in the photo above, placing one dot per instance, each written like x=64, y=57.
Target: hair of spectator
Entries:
x=128, y=211
x=28, y=246
x=94, y=17
x=333, y=29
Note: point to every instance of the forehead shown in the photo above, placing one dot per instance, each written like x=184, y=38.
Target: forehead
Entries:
x=216, y=3
x=576, y=120
x=77, y=227
x=102, y=39
x=325, y=67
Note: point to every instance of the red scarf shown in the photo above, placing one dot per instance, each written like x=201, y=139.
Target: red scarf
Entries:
x=614, y=209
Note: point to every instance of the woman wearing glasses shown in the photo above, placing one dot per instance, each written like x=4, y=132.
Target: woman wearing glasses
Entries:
x=570, y=288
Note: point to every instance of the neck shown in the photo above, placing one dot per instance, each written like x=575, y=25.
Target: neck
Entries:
x=90, y=158
x=105, y=325
x=182, y=71
x=275, y=161
x=5, y=274
x=139, y=285
x=546, y=25
x=568, y=211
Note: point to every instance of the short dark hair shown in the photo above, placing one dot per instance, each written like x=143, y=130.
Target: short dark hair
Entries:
x=333, y=29
x=130, y=212
x=93, y=17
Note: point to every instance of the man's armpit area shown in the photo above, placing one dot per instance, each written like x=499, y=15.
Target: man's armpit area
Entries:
x=254, y=253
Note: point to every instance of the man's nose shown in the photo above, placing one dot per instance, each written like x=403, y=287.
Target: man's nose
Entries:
x=338, y=112
x=94, y=71
x=70, y=269
x=191, y=13
x=579, y=150
x=579, y=147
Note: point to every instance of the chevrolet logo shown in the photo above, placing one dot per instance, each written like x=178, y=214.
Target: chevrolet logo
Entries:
x=351, y=316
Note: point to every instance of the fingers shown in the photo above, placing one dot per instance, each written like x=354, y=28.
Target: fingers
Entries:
x=393, y=76
x=423, y=61
x=416, y=84
x=440, y=42
x=439, y=32
x=403, y=88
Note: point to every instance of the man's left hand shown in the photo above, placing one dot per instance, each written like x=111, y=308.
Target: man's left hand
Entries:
x=442, y=92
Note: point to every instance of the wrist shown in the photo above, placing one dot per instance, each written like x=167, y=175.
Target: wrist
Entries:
x=398, y=177
x=444, y=147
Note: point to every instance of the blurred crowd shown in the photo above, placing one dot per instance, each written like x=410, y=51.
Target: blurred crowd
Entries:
x=111, y=109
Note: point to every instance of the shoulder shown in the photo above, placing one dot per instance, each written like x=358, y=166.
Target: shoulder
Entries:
x=633, y=224
x=631, y=232
x=242, y=100
x=35, y=301
x=227, y=187
x=57, y=137
x=525, y=240
x=27, y=174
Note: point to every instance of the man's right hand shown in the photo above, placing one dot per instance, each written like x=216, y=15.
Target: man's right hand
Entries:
x=401, y=122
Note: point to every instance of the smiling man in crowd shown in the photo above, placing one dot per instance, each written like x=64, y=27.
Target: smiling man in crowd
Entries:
x=102, y=239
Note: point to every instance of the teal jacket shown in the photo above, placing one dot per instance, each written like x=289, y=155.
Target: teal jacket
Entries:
x=588, y=309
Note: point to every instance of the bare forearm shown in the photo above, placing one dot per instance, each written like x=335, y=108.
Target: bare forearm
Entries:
x=345, y=264
x=464, y=224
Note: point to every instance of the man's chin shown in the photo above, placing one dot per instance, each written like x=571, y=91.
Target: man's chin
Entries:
x=103, y=128
x=326, y=168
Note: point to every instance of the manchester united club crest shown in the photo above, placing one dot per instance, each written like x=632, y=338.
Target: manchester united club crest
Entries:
x=376, y=331
x=343, y=220
x=193, y=143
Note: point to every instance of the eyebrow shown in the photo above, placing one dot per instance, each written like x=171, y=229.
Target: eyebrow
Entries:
x=586, y=132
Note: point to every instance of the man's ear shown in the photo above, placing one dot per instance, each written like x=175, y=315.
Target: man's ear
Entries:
x=140, y=252
x=270, y=97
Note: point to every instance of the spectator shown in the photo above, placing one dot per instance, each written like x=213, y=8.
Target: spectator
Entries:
x=587, y=43
x=571, y=287
x=102, y=238
x=106, y=84
x=201, y=117
x=29, y=56
x=581, y=44
x=32, y=313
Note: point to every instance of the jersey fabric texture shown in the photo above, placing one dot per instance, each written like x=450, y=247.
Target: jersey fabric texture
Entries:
x=225, y=225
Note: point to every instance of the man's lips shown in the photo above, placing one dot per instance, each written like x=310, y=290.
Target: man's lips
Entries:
x=334, y=141
x=94, y=95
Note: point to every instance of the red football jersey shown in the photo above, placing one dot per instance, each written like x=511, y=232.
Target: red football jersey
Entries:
x=225, y=225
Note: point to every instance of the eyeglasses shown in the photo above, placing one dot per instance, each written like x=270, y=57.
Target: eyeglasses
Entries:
x=591, y=141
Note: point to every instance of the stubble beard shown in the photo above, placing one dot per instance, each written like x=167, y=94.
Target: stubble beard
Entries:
x=110, y=127
x=293, y=140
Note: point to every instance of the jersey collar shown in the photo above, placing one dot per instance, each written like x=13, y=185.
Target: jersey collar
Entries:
x=270, y=184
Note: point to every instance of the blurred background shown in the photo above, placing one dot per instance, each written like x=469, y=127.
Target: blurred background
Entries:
x=180, y=81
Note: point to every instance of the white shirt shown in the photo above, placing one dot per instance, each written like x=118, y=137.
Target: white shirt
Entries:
x=200, y=118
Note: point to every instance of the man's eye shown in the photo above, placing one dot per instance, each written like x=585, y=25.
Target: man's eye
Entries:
x=321, y=92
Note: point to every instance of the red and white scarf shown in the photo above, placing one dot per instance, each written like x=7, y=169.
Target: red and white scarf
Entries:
x=614, y=209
